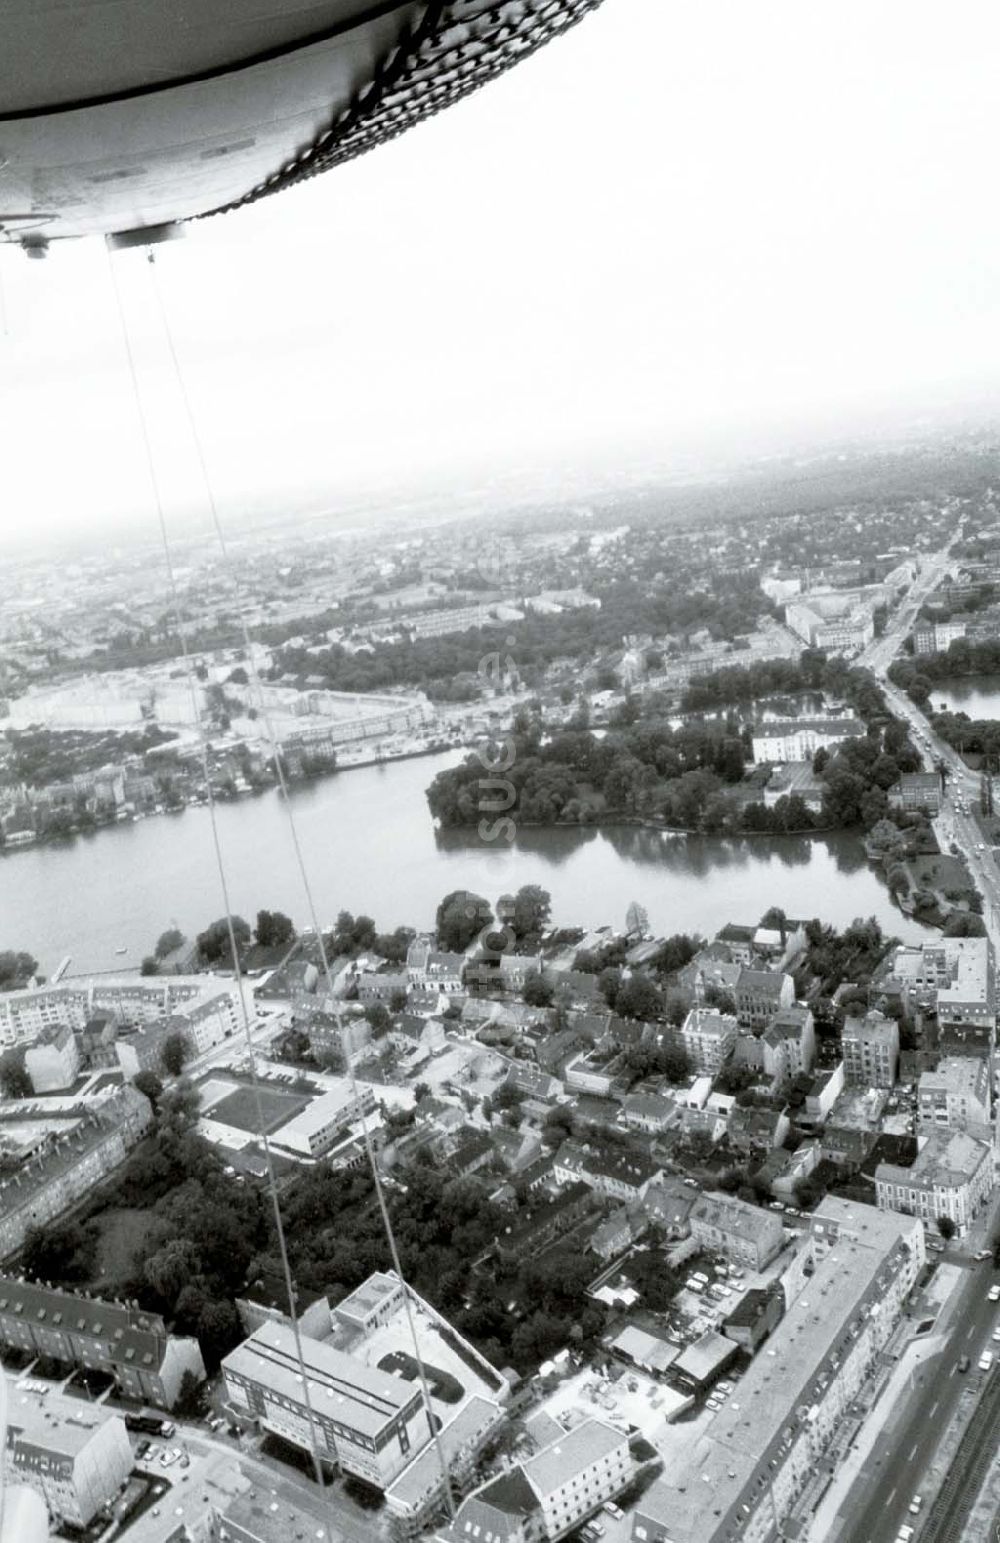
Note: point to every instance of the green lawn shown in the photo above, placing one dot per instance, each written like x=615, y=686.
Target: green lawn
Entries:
x=239, y=1109
x=122, y=1231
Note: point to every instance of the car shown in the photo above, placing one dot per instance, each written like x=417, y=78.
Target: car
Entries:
x=986, y=1360
x=915, y=1504
x=993, y=1295
x=905, y=1534
x=143, y=1448
x=962, y=1364
x=611, y=1509
x=981, y=1254
x=166, y=1458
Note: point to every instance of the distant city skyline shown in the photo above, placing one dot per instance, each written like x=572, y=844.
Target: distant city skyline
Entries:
x=667, y=233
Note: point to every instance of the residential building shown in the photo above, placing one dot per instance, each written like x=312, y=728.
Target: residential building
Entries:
x=368, y=1422
x=210, y=1008
x=577, y=1473
x=837, y=620
x=53, y=1061
x=916, y=790
x=547, y=1222
x=739, y=941
x=131, y=1345
x=616, y=1174
x=708, y=1038
x=381, y=986
x=318, y=1127
x=824, y=1089
x=743, y=1232
x=789, y=1043
x=416, y=1495
x=77, y=1456
x=756, y=1130
x=755, y=1471
x=589, y=1073
x=760, y=995
x=70, y=1166
x=649, y=1112
x=798, y=739
x=668, y=1203
x=870, y=1049
x=428, y=966
x=956, y=1096
x=796, y=778
x=754, y=1317
x=951, y=1176
x=504, y=1510
x=953, y=976
x=515, y=969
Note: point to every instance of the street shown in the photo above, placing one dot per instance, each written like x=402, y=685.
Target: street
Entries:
x=879, y=1502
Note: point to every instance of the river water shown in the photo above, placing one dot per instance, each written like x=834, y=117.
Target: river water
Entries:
x=977, y=695
x=370, y=846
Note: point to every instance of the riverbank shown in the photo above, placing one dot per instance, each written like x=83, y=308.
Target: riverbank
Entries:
x=94, y=826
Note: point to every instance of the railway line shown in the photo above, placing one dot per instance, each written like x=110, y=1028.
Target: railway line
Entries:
x=948, y=1518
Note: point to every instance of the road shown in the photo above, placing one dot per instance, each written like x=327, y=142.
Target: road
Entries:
x=879, y=1502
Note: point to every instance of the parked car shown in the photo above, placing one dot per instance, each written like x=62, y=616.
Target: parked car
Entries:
x=612, y=1509
x=986, y=1360
x=993, y=1295
x=915, y=1504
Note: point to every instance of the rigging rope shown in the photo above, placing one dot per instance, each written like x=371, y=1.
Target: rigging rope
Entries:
x=279, y=769
x=223, y=881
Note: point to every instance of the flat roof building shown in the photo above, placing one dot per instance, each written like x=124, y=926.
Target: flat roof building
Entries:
x=366, y=1421
x=76, y=1455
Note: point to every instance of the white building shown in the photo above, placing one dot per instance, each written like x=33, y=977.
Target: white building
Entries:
x=951, y=1176
x=708, y=1038
x=316, y=1129
x=956, y=1096
x=53, y=1061
x=577, y=1473
x=76, y=1455
x=798, y=739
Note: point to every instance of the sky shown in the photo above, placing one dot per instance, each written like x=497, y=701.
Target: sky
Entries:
x=675, y=225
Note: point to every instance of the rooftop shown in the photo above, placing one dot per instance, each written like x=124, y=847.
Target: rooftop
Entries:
x=569, y=1454
x=340, y=1387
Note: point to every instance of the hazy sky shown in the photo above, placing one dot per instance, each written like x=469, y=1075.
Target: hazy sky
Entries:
x=678, y=218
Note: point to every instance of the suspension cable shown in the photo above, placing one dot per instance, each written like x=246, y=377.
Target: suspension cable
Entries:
x=223, y=881
x=278, y=764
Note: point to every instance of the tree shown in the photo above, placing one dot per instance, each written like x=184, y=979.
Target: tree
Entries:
x=946, y=1227
x=168, y=941
x=531, y=910
x=274, y=929
x=149, y=1083
x=15, y=1080
x=379, y=1018
x=174, y=1053
x=149, y=966
x=639, y=997
x=16, y=969
x=397, y=1000
x=537, y=991
x=190, y=1399
x=170, y=1269
x=213, y=943
x=609, y=983
x=461, y=917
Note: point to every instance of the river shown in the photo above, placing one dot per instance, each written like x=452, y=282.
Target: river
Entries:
x=371, y=847
x=977, y=695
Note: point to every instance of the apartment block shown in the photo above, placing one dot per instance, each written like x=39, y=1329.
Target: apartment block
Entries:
x=53, y=1061
x=956, y=1096
x=760, y=996
x=133, y=1346
x=132, y=1000
x=70, y=1165
x=77, y=1456
x=951, y=1176
x=753, y=1475
x=708, y=1037
x=870, y=1050
x=953, y=976
x=741, y=1231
